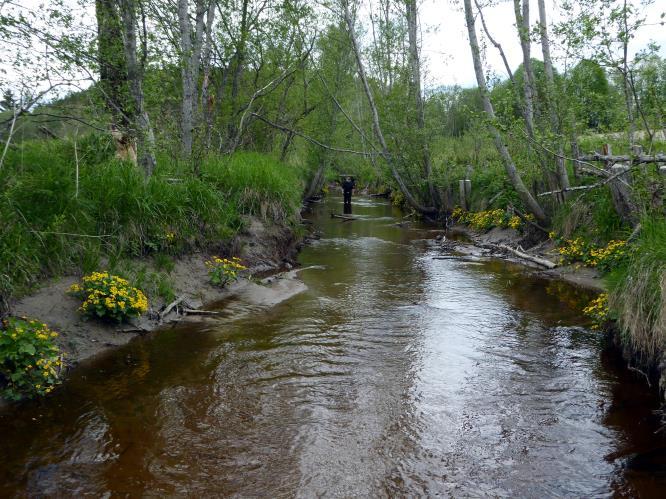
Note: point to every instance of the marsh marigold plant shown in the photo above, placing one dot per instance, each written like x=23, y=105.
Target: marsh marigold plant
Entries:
x=223, y=271
x=598, y=311
x=30, y=361
x=485, y=220
x=109, y=296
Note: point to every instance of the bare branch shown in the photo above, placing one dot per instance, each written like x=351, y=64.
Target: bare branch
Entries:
x=308, y=138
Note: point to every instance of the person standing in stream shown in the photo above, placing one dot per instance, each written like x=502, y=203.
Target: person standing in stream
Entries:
x=348, y=185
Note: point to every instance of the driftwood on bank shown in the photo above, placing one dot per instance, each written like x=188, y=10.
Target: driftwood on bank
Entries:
x=191, y=311
x=526, y=256
x=170, y=307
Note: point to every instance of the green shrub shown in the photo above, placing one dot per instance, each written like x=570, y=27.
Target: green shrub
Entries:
x=30, y=363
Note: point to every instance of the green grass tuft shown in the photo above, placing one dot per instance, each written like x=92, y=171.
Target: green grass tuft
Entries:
x=638, y=292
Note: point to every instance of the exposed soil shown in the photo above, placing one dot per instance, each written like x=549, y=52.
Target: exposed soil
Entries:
x=262, y=248
x=466, y=241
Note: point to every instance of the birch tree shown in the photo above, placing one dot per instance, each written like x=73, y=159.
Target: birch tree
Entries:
x=143, y=130
x=563, y=176
x=190, y=50
x=514, y=176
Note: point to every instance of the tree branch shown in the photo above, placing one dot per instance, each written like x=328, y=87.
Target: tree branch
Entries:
x=308, y=138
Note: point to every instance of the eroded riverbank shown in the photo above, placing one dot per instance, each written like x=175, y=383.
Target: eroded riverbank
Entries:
x=263, y=248
x=395, y=373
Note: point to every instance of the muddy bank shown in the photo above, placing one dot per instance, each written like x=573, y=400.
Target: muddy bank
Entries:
x=465, y=241
x=261, y=246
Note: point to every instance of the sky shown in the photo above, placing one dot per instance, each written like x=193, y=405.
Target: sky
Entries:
x=445, y=50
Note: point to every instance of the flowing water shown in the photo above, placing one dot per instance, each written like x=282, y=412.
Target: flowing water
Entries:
x=395, y=374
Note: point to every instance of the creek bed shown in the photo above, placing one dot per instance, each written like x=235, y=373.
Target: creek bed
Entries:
x=394, y=374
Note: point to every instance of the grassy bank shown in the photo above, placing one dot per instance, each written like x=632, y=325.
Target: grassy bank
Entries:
x=55, y=221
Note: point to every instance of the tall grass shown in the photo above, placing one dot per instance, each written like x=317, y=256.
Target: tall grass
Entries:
x=638, y=292
x=48, y=228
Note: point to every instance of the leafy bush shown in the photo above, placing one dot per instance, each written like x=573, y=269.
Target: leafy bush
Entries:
x=615, y=254
x=574, y=250
x=30, y=363
x=109, y=296
x=223, y=271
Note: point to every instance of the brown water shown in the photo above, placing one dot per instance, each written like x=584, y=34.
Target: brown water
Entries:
x=395, y=374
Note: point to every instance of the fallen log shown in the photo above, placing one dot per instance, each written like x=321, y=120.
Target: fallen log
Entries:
x=170, y=307
x=343, y=217
x=633, y=158
x=137, y=329
x=526, y=256
x=191, y=311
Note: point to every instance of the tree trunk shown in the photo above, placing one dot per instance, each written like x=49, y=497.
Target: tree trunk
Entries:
x=522, y=15
x=415, y=83
x=514, y=176
x=190, y=49
x=113, y=77
x=207, y=101
x=375, y=116
x=550, y=96
x=143, y=130
x=625, y=79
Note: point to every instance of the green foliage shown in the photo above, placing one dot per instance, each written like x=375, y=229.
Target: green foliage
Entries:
x=48, y=228
x=223, y=271
x=487, y=219
x=107, y=296
x=30, y=363
x=256, y=184
x=591, y=217
x=605, y=258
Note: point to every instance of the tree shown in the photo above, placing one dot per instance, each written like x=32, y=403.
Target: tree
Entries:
x=376, y=126
x=113, y=77
x=550, y=96
x=190, y=54
x=141, y=122
x=415, y=90
x=514, y=176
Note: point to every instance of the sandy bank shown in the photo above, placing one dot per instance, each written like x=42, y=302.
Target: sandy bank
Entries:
x=261, y=246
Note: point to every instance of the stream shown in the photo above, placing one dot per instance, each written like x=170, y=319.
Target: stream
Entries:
x=394, y=374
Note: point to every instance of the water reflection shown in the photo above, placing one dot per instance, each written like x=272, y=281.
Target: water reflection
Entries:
x=394, y=374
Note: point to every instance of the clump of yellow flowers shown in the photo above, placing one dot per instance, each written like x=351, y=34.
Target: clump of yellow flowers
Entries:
x=30, y=362
x=484, y=220
x=109, y=296
x=598, y=311
x=604, y=258
x=223, y=271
